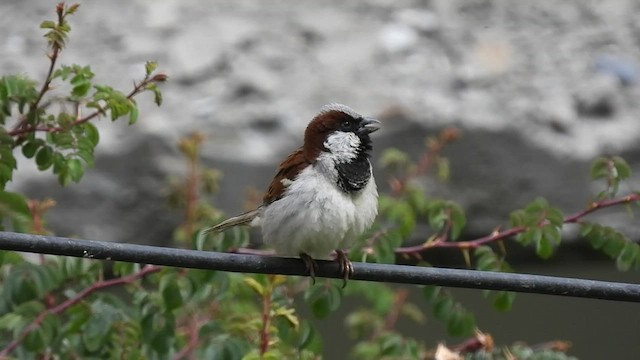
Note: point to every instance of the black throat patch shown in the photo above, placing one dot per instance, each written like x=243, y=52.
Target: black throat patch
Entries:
x=354, y=176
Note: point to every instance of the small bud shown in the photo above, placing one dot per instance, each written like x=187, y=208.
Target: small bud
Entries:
x=450, y=134
x=159, y=78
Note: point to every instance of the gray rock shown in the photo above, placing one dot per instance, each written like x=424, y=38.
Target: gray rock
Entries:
x=598, y=97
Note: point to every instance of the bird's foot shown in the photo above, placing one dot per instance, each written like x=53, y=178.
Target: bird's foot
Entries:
x=345, y=266
x=311, y=266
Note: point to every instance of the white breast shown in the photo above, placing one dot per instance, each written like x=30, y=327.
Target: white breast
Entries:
x=315, y=217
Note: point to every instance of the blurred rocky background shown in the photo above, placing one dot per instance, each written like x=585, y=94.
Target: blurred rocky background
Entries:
x=537, y=88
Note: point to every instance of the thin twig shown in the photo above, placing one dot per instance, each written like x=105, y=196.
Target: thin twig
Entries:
x=266, y=322
x=193, y=330
x=448, y=135
x=148, y=269
x=53, y=57
x=393, y=315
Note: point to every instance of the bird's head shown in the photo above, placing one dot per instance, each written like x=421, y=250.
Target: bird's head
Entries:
x=340, y=132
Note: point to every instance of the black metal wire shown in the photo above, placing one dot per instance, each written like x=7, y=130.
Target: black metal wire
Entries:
x=538, y=284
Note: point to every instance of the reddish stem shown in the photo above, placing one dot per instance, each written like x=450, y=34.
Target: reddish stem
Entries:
x=424, y=164
x=266, y=320
x=392, y=317
x=191, y=197
x=148, y=269
x=187, y=351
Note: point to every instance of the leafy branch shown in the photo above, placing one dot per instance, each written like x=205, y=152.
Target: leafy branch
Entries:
x=80, y=296
x=443, y=240
x=432, y=156
x=69, y=138
x=147, y=83
x=56, y=38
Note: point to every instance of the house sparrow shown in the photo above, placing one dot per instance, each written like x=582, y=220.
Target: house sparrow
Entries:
x=323, y=195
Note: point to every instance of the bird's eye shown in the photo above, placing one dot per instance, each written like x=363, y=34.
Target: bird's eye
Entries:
x=346, y=124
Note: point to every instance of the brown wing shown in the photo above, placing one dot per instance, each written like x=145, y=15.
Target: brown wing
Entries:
x=287, y=172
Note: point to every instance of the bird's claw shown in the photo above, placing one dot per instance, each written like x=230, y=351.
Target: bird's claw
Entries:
x=345, y=266
x=311, y=266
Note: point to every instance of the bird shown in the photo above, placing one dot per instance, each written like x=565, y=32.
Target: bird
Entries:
x=323, y=195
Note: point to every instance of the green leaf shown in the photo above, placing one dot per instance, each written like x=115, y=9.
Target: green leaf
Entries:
x=366, y=350
x=596, y=237
x=156, y=93
x=555, y=216
x=81, y=89
x=48, y=24
x=394, y=158
x=384, y=249
x=442, y=308
x=7, y=164
x=391, y=344
x=442, y=169
x=585, y=229
x=121, y=268
x=150, y=67
x=92, y=133
x=14, y=203
x=630, y=253
x=552, y=233
x=133, y=114
x=5, y=138
x=487, y=259
x=35, y=341
x=599, y=168
x=537, y=206
x=171, y=296
x=12, y=321
x=323, y=300
x=75, y=169
x=95, y=331
x=417, y=199
x=29, y=149
x=504, y=300
x=517, y=218
x=431, y=292
x=437, y=215
x=622, y=167
x=6, y=175
x=402, y=214
x=461, y=323
x=86, y=156
x=413, y=312
x=531, y=235
x=44, y=158
x=614, y=242
x=544, y=248
x=458, y=220
x=163, y=338
x=29, y=308
x=254, y=284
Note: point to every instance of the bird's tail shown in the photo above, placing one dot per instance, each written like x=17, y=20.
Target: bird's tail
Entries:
x=242, y=219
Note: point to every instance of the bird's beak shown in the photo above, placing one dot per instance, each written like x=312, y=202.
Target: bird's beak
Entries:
x=369, y=125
